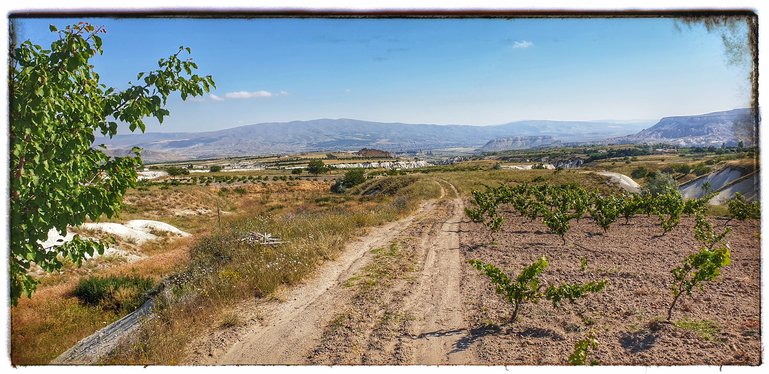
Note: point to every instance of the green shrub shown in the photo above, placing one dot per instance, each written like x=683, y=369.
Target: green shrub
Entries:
x=741, y=209
x=354, y=177
x=582, y=350
x=175, y=171
x=527, y=287
x=639, y=172
x=117, y=293
x=659, y=183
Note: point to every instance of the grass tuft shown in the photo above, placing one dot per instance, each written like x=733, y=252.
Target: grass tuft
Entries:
x=705, y=329
x=116, y=293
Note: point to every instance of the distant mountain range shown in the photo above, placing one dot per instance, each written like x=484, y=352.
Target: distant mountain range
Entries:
x=347, y=134
x=712, y=129
x=350, y=134
x=518, y=142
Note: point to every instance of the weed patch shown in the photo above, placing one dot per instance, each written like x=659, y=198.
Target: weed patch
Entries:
x=116, y=293
x=705, y=329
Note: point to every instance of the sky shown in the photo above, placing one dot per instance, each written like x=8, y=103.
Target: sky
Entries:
x=438, y=71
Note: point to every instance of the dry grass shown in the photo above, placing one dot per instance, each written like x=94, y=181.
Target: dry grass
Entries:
x=50, y=323
x=53, y=320
x=224, y=270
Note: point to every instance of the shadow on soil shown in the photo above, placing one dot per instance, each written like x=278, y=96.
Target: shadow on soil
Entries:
x=473, y=335
x=639, y=341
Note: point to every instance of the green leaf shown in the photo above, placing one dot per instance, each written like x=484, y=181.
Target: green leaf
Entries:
x=53, y=115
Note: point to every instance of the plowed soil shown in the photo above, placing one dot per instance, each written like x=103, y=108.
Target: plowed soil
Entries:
x=636, y=260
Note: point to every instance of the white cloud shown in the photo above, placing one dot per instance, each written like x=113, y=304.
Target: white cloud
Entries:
x=248, y=94
x=235, y=95
x=522, y=44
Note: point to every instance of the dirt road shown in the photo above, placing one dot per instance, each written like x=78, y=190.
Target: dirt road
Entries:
x=393, y=297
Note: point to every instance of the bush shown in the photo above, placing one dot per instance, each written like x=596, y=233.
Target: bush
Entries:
x=742, y=209
x=659, y=183
x=354, y=177
x=338, y=187
x=175, y=171
x=316, y=167
x=215, y=168
x=117, y=293
x=682, y=168
x=296, y=171
x=639, y=173
x=701, y=169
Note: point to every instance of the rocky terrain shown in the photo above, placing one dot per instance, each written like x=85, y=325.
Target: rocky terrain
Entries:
x=711, y=129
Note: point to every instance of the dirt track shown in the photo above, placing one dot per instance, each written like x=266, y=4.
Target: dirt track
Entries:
x=405, y=295
x=408, y=311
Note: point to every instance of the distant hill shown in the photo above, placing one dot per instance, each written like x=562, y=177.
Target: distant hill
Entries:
x=697, y=130
x=518, y=142
x=373, y=153
x=347, y=135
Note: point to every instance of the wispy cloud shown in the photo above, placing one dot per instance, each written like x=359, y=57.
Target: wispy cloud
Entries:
x=248, y=94
x=522, y=44
x=237, y=95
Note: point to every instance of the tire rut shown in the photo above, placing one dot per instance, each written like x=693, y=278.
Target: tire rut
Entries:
x=373, y=306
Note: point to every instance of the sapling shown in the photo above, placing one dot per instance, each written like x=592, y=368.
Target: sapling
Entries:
x=527, y=287
x=582, y=350
x=605, y=210
x=699, y=267
x=702, y=266
x=741, y=209
x=668, y=206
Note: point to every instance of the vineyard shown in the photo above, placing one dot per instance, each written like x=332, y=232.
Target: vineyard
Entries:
x=666, y=270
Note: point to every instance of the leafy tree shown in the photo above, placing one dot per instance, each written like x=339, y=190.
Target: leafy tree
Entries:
x=296, y=171
x=215, y=168
x=316, y=167
x=58, y=179
x=659, y=183
x=668, y=206
x=176, y=171
x=354, y=177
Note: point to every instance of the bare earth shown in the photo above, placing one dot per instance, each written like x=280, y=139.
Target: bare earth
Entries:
x=422, y=304
x=298, y=327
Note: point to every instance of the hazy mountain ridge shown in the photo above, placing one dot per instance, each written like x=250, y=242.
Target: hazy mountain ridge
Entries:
x=518, y=142
x=711, y=129
x=348, y=134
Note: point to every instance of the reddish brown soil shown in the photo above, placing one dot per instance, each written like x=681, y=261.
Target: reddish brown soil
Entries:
x=636, y=260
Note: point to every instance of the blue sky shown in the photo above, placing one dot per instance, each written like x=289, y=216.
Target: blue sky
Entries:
x=450, y=71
